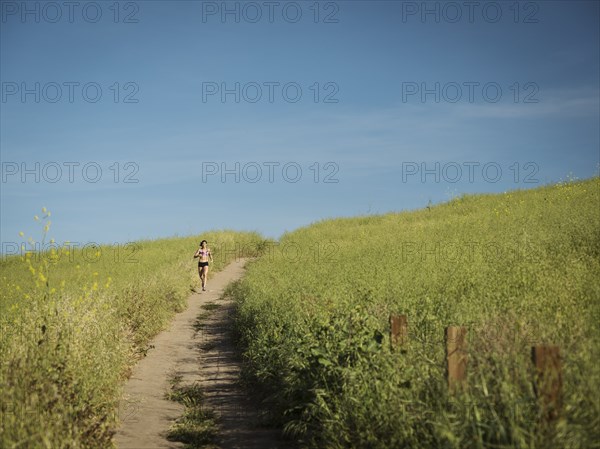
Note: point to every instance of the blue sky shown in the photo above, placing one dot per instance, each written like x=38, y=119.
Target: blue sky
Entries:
x=163, y=125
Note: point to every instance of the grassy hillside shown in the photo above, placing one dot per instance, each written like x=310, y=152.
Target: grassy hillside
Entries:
x=516, y=269
x=74, y=321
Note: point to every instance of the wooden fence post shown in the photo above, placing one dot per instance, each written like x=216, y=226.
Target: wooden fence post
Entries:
x=456, y=357
x=398, y=330
x=548, y=382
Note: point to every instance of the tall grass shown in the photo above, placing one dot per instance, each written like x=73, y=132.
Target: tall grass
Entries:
x=73, y=323
x=517, y=269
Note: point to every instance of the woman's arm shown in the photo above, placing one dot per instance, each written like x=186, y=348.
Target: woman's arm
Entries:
x=197, y=254
x=210, y=255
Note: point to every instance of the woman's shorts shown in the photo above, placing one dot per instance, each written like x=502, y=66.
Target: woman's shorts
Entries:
x=202, y=264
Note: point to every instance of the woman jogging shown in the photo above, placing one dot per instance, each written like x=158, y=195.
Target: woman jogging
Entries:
x=204, y=254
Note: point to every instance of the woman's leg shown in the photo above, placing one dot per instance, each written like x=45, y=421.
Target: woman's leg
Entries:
x=205, y=275
x=200, y=271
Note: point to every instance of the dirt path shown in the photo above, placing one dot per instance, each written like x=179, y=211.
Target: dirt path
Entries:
x=206, y=357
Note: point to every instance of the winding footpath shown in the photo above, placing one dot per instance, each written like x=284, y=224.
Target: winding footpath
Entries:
x=208, y=358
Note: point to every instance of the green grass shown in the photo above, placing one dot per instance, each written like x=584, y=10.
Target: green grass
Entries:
x=517, y=269
x=74, y=322
x=210, y=306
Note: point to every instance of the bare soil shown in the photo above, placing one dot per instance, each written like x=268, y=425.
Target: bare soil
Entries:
x=204, y=355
